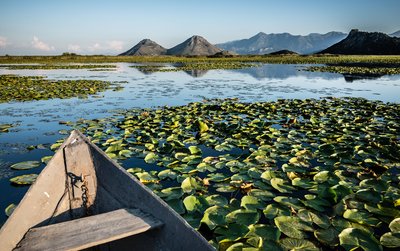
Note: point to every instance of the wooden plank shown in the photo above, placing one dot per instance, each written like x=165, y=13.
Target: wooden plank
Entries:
x=90, y=231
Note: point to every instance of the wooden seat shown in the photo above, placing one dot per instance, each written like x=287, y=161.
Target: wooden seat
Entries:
x=89, y=231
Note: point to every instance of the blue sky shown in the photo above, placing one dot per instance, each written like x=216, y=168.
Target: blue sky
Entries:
x=50, y=27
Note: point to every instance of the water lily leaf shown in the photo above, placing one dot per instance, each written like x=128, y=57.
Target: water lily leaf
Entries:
x=177, y=205
x=327, y=236
x=218, y=177
x=280, y=185
x=195, y=150
x=216, y=200
x=193, y=220
x=25, y=165
x=231, y=231
x=319, y=219
x=26, y=179
x=10, y=209
x=146, y=177
x=243, y=216
x=260, y=194
x=189, y=185
x=273, y=210
x=289, y=202
x=167, y=174
x=296, y=244
x=395, y=225
x=360, y=217
x=46, y=159
x=171, y=193
x=390, y=240
x=321, y=176
x=292, y=226
x=195, y=203
x=55, y=146
x=214, y=216
x=352, y=238
x=151, y=158
x=251, y=203
x=180, y=156
x=368, y=195
x=266, y=232
x=203, y=127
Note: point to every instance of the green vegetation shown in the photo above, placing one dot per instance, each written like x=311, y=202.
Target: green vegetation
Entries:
x=59, y=66
x=27, y=88
x=5, y=127
x=189, y=66
x=286, y=59
x=291, y=174
x=373, y=71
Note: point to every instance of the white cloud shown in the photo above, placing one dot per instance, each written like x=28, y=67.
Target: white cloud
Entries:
x=108, y=46
x=116, y=45
x=95, y=47
x=40, y=45
x=3, y=42
x=74, y=48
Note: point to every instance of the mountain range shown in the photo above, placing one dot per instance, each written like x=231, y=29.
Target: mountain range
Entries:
x=193, y=46
x=365, y=43
x=280, y=43
x=263, y=43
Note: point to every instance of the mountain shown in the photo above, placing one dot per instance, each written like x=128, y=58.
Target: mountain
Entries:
x=366, y=43
x=194, y=46
x=263, y=43
x=146, y=47
x=283, y=52
x=395, y=34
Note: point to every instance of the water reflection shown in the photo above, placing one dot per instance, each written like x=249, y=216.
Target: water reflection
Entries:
x=37, y=122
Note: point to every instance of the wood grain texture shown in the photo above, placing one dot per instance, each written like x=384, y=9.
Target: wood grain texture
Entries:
x=90, y=231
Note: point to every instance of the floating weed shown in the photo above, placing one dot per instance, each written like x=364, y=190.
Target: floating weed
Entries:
x=26, y=179
x=27, y=88
x=289, y=174
x=93, y=67
x=193, y=66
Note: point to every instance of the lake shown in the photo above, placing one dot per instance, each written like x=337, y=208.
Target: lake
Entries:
x=38, y=121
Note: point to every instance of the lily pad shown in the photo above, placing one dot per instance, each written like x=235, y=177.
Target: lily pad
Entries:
x=292, y=226
x=189, y=185
x=296, y=244
x=214, y=216
x=10, y=209
x=243, y=216
x=25, y=165
x=352, y=238
x=26, y=179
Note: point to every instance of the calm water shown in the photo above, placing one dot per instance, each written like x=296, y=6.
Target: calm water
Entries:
x=38, y=121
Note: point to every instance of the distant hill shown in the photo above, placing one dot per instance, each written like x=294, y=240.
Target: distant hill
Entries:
x=146, y=47
x=194, y=46
x=395, y=34
x=284, y=52
x=263, y=43
x=366, y=43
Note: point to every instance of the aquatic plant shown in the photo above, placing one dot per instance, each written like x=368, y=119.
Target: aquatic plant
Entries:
x=351, y=70
x=59, y=66
x=27, y=88
x=290, y=174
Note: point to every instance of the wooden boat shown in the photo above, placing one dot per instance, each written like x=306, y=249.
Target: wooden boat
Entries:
x=84, y=200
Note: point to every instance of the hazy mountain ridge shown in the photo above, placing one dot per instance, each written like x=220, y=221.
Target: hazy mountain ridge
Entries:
x=395, y=34
x=366, y=43
x=263, y=43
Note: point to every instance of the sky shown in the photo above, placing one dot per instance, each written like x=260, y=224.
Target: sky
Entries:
x=51, y=27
